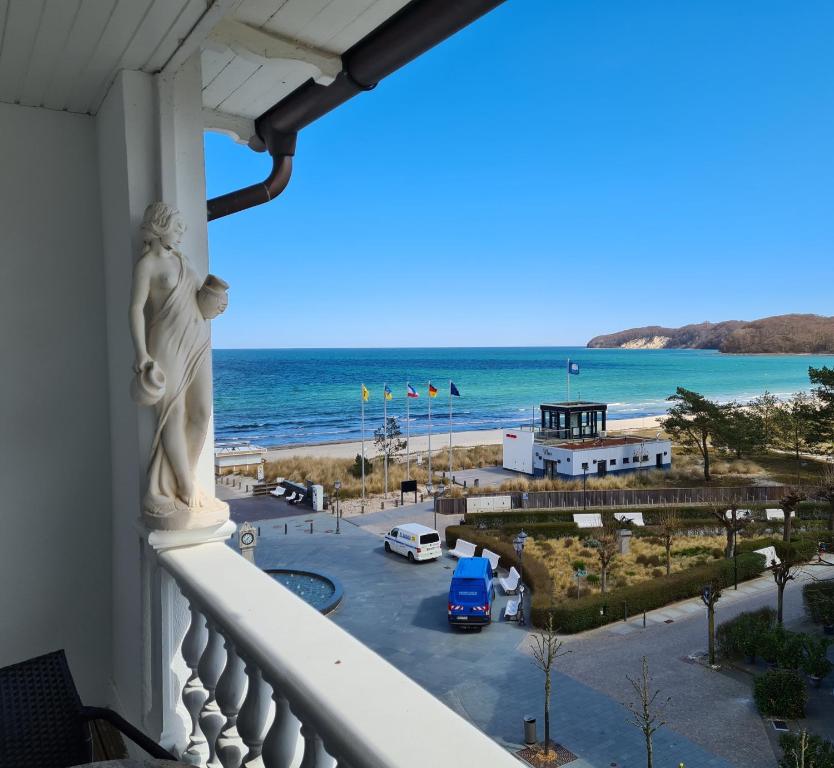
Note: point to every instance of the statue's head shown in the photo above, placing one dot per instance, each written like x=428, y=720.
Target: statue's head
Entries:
x=163, y=222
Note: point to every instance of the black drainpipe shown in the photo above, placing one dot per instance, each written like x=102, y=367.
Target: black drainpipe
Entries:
x=412, y=31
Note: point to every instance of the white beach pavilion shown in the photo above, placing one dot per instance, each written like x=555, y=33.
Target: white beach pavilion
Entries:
x=103, y=104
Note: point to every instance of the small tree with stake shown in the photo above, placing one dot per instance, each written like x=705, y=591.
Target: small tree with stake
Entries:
x=711, y=594
x=546, y=648
x=667, y=530
x=607, y=548
x=645, y=713
x=732, y=524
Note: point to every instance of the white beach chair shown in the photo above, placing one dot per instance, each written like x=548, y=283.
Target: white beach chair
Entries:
x=741, y=514
x=278, y=492
x=588, y=520
x=463, y=548
x=291, y=498
x=492, y=557
x=510, y=583
x=511, y=611
x=769, y=554
x=776, y=514
x=635, y=518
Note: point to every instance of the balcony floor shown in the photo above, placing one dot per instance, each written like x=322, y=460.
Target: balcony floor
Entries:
x=399, y=610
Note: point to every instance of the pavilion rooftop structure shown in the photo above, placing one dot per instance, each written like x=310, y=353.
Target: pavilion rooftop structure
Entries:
x=573, y=419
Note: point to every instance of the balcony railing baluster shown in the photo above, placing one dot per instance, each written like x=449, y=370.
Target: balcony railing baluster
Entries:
x=231, y=689
x=194, y=694
x=283, y=738
x=210, y=668
x=315, y=755
x=254, y=715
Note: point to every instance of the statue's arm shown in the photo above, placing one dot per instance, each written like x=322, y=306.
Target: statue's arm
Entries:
x=138, y=298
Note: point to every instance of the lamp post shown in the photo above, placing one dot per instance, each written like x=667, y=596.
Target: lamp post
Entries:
x=518, y=546
x=434, y=491
x=584, y=482
x=337, y=486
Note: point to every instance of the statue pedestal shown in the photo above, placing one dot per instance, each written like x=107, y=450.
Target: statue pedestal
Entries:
x=167, y=515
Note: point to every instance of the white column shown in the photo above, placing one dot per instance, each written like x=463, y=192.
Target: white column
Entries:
x=150, y=147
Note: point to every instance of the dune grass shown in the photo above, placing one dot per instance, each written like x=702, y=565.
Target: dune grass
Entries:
x=325, y=471
x=646, y=560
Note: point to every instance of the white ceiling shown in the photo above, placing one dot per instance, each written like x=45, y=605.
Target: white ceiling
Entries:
x=64, y=54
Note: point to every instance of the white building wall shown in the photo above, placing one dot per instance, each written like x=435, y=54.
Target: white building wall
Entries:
x=518, y=450
x=55, y=555
x=570, y=462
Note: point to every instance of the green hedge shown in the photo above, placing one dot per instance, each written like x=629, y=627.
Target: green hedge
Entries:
x=780, y=693
x=740, y=636
x=542, y=530
x=597, y=610
x=819, y=601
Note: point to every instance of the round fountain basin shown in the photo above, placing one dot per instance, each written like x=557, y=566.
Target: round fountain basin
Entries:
x=323, y=592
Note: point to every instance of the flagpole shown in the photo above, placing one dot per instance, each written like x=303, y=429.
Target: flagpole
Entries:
x=450, y=433
x=362, y=396
x=385, y=434
x=407, y=434
x=429, y=399
x=567, y=376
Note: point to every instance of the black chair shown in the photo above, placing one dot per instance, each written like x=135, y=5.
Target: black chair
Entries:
x=43, y=723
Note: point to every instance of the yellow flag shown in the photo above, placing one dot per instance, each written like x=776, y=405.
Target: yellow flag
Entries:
x=365, y=393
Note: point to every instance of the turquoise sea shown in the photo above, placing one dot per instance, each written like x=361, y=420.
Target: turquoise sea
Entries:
x=292, y=396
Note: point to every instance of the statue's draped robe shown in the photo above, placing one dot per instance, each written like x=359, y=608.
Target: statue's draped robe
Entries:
x=178, y=340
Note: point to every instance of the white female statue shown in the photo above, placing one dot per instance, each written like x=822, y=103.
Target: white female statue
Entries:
x=169, y=314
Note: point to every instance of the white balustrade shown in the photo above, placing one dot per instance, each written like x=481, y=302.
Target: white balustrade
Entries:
x=274, y=684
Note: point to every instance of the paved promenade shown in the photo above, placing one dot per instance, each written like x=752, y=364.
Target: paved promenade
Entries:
x=399, y=609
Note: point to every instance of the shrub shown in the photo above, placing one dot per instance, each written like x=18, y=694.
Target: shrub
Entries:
x=815, y=656
x=717, y=553
x=819, y=601
x=597, y=610
x=585, y=553
x=819, y=752
x=792, y=655
x=657, y=573
x=647, y=560
x=780, y=693
x=592, y=578
x=568, y=542
x=741, y=636
x=578, y=565
x=541, y=530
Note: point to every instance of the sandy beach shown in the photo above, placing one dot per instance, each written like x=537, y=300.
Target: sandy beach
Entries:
x=440, y=440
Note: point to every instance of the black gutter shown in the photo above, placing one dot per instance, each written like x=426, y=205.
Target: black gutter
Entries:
x=412, y=31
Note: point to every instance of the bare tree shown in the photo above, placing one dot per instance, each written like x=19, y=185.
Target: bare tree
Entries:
x=667, y=530
x=645, y=713
x=711, y=594
x=788, y=504
x=784, y=568
x=607, y=549
x=546, y=648
x=824, y=491
x=732, y=524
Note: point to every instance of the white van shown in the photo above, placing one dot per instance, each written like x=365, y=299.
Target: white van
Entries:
x=414, y=541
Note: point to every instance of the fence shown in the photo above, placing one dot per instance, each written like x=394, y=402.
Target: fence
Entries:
x=622, y=497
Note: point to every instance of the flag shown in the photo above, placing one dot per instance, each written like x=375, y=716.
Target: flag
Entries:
x=410, y=391
x=432, y=390
x=387, y=393
x=573, y=368
x=365, y=393
x=453, y=390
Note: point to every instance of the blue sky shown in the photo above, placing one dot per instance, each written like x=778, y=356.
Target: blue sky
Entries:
x=555, y=171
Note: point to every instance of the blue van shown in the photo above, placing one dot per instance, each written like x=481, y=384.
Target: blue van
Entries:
x=471, y=593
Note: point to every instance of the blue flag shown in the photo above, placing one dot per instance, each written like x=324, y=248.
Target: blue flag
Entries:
x=573, y=368
x=453, y=390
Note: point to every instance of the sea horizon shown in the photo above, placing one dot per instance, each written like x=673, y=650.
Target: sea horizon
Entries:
x=307, y=396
